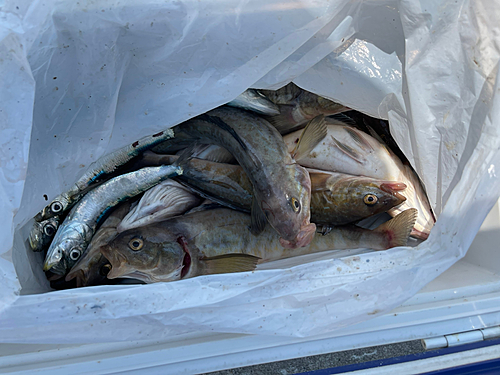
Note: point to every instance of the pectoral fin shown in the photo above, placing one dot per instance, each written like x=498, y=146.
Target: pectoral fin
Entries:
x=319, y=181
x=349, y=151
x=229, y=263
x=314, y=133
x=259, y=219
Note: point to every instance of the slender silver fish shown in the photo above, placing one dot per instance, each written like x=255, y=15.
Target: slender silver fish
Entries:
x=254, y=101
x=92, y=268
x=75, y=233
x=218, y=241
x=98, y=170
x=42, y=233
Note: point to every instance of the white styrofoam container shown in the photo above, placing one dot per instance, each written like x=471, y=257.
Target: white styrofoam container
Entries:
x=465, y=297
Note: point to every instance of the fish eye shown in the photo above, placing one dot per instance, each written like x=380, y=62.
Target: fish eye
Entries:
x=49, y=230
x=75, y=253
x=56, y=207
x=295, y=205
x=136, y=244
x=370, y=199
x=105, y=269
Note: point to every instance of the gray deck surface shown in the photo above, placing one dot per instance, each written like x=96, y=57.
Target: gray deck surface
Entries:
x=329, y=360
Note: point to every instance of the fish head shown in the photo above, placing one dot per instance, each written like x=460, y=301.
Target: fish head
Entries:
x=63, y=256
x=366, y=196
x=289, y=213
x=67, y=247
x=57, y=207
x=148, y=254
x=42, y=232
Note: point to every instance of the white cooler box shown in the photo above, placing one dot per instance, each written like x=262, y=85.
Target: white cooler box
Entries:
x=464, y=298
x=80, y=79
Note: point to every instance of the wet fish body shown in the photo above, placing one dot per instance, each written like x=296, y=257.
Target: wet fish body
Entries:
x=98, y=170
x=75, y=233
x=92, y=268
x=218, y=239
x=348, y=150
x=253, y=100
x=298, y=106
x=41, y=233
x=280, y=186
x=336, y=198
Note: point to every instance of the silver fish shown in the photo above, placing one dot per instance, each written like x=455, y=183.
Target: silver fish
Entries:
x=75, y=233
x=92, y=268
x=218, y=241
x=42, y=233
x=99, y=169
x=254, y=101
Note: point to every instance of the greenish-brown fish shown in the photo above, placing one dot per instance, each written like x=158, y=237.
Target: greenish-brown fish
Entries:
x=219, y=241
x=281, y=188
x=336, y=198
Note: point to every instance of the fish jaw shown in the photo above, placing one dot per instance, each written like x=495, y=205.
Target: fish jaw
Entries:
x=303, y=239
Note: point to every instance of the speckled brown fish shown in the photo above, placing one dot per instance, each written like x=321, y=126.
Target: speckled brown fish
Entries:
x=281, y=187
x=218, y=241
x=336, y=198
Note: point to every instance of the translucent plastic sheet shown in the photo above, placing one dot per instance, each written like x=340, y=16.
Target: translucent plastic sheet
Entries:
x=80, y=79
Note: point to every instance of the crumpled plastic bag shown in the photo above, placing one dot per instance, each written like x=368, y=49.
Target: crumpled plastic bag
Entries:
x=80, y=79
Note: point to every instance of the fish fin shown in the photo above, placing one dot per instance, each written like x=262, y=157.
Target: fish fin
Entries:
x=319, y=181
x=219, y=155
x=205, y=195
x=359, y=138
x=189, y=153
x=399, y=228
x=374, y=134
x=341, y=119
x=314, y=133
x=259, y=219
x=349, y=151
x=284, y=122
x=229, y=263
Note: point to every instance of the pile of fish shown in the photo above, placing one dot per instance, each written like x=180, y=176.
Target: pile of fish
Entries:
x=270, y=175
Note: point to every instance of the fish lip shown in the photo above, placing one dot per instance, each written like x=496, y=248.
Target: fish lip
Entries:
x=187, y=260
x=392, y=187
x=389, y=188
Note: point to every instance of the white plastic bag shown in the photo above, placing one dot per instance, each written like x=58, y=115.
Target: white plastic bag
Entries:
x=80, y=79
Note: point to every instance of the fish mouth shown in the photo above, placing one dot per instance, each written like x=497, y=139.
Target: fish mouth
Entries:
x=393, y=188
x=186, y=259
x=303, y=238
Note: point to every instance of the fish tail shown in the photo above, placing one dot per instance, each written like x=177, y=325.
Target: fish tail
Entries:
x=416, y=198
x=398, y=229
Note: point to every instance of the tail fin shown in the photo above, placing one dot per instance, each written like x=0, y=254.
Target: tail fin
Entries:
x=398, y=229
